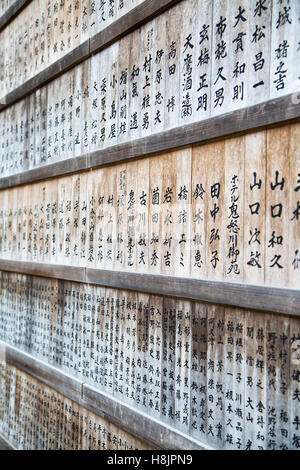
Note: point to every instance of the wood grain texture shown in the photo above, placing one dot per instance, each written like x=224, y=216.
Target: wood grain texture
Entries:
x=129, y=22
x=267, y=114
x=237, y=294
x=55, y=378
x=12, y=12
x=111, y=34
x=138, y=424
x=254, y=297
x=149, y=430
x=52, y=271
x=4, y=445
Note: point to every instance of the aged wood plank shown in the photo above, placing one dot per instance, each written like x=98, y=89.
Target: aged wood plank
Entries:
x=111, y=34
x=246, y=296
x=74, y=57
x=148, y=429
x=14, y=10
x=267, y=114
x=55, y=271
x=255, y=297
x=4, y=445
x=129, y=22
x=49, y=375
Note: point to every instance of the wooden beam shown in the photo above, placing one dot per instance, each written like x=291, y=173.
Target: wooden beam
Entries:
x=53, y=71
x=46, y=373
x=152, y=431
x=140, y=425
x=262, y=298
x=64, y=167
x=112, y=33
x=255, y=297
x=5, y=445
x=12, y=12
x=56, y=271
x=135, y=18
x=270, y=113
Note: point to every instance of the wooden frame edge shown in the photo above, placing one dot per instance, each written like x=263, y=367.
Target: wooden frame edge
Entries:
x=137, y=423
x=276, y=112
x=12, y=12
x=254, y=297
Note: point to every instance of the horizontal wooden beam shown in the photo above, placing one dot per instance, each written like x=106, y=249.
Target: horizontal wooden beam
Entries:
x=262, y=298
x=12, y=12
x=139, y=15
x=5, y=445
x=51, y=376
x=53, y=71
x=278, y=111
x=56, y=271
x=152, y=431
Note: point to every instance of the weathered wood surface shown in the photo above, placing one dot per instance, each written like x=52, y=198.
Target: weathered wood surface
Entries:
x=53, y=271
x=54, y=378
x=154, y=432
x=14, y=9
x=150, y=76
x=267, y=114
x=257, y=297
x=42, y=418
x=232, y=350
x=242, y=295
x=4, y=445
x=235, y=220
x=158, y=294
x=145, y=428
x=89, y=44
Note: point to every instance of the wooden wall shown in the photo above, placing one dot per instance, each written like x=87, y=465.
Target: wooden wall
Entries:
x=36, y=417
x=226, y=376
x=149, y=224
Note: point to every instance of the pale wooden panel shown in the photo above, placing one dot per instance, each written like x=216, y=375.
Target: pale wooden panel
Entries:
x=294, y=208
x=198, y=373
x=103, y=94
x=234, y=204
x=94, y=103
x=159, y=77
x=215, y=380
x=112, y=92
x=221, y=93
x=215, y=209
x=284, y=70
x=135, y=85
x=83, y=220
x=168, y=208
x=91, y=232
x=254, y=207
x=99, y=176
x=155, y=216
x=142, y=171
x=172, y=104
x=294, y=385
x=75, y=220
x=277, y=207
x=84, y=105
x=200, y=213
x=182, y=216
x=187, y=63
x=203, y=57
x=146, y=78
